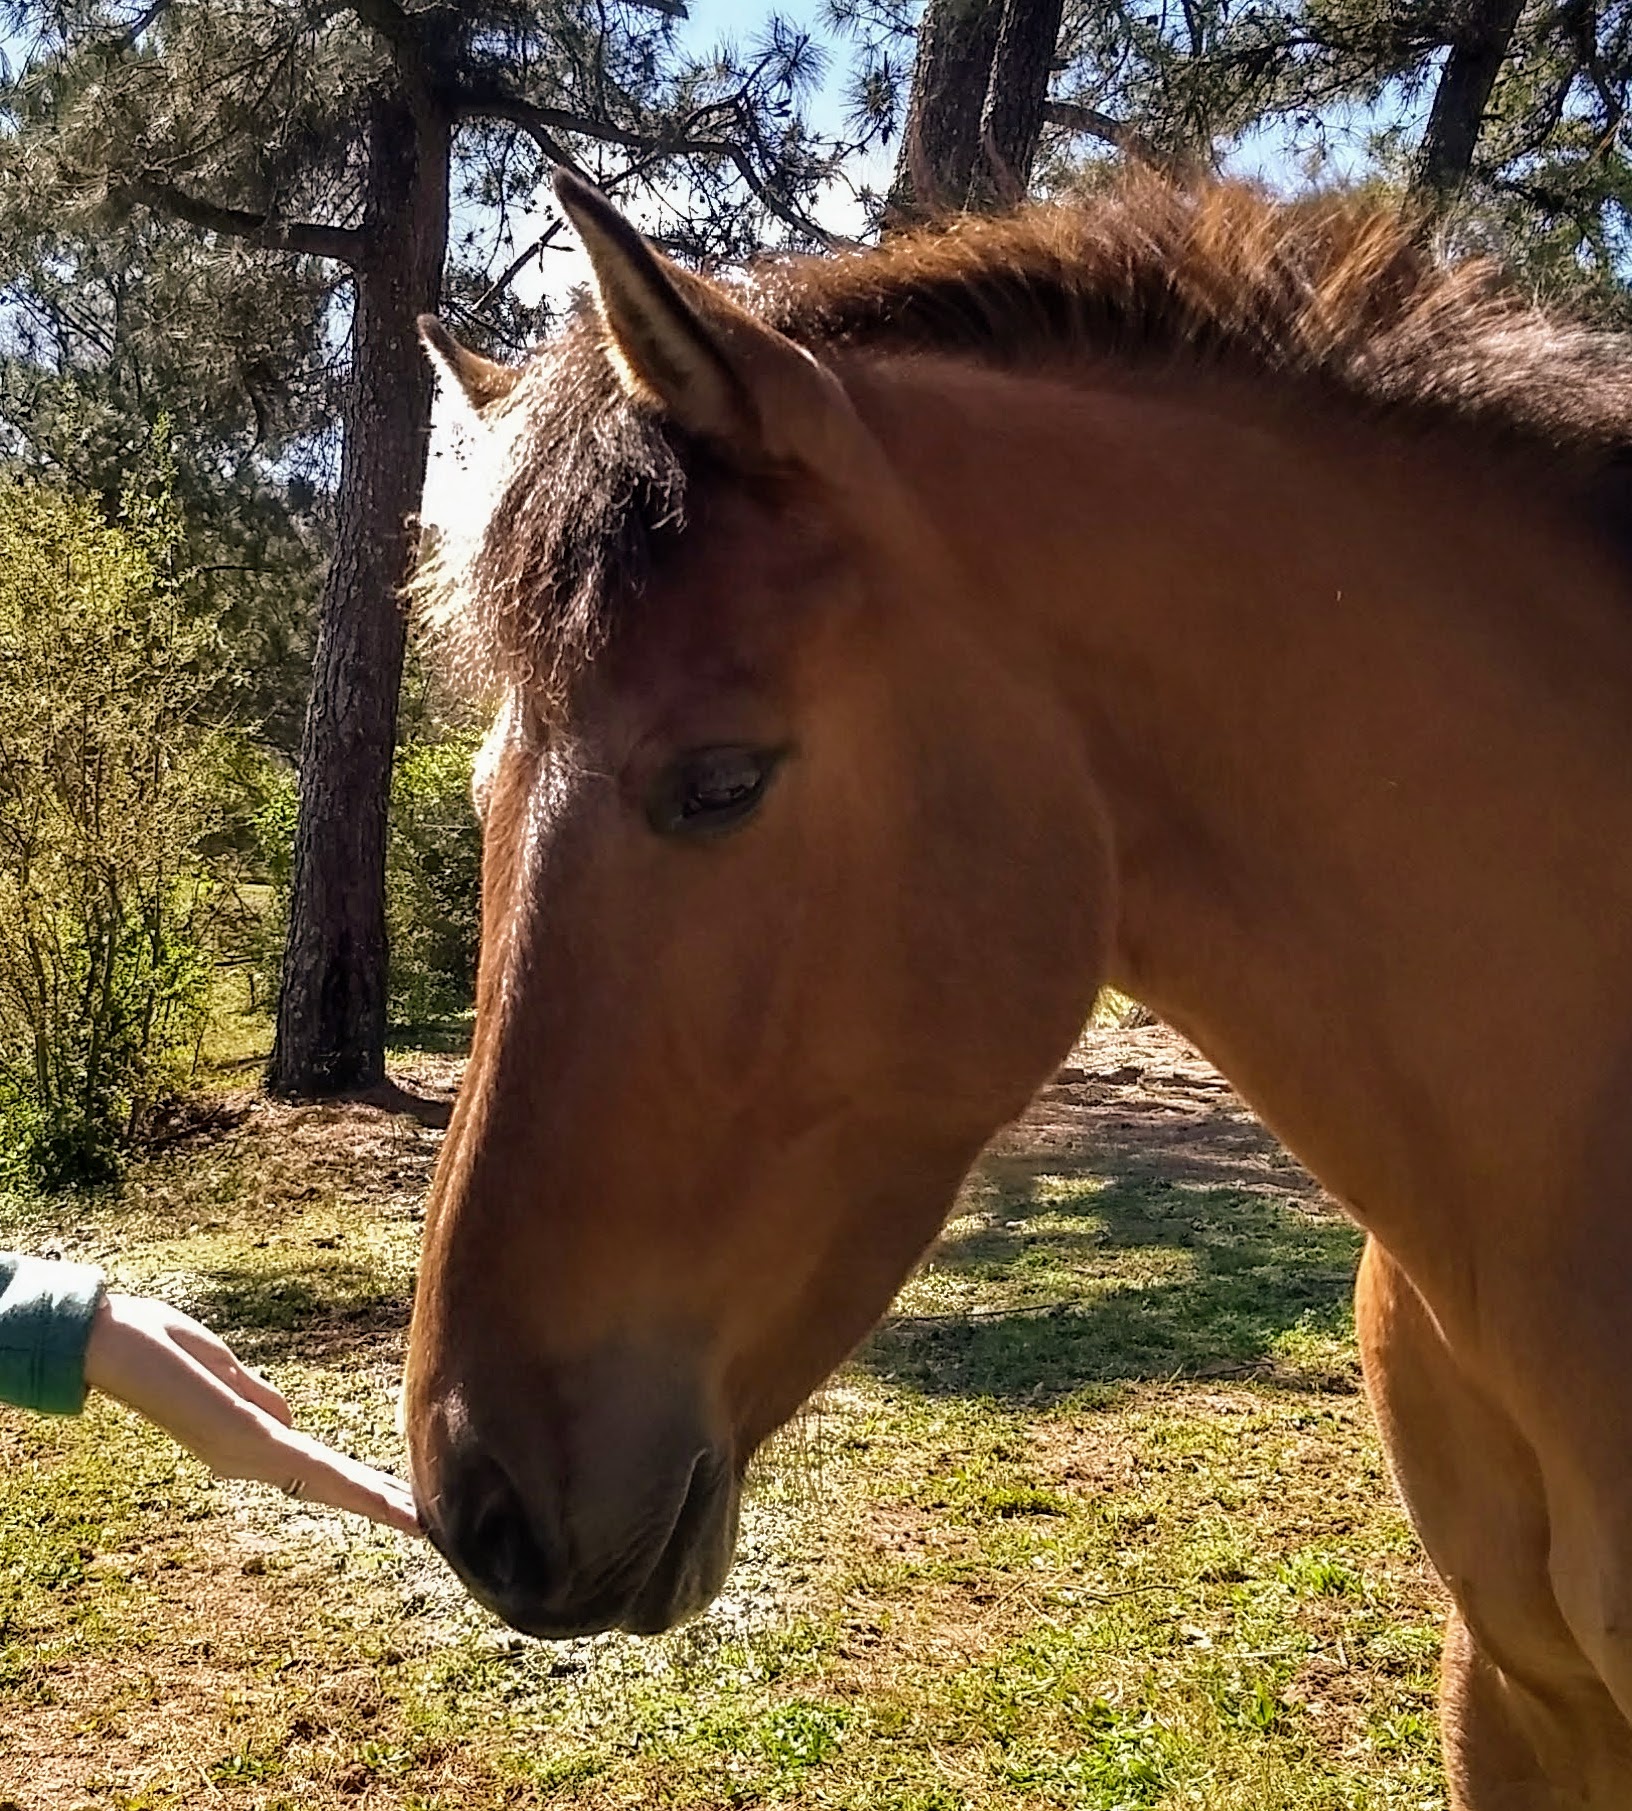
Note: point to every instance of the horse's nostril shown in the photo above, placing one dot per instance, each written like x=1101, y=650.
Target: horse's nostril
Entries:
x=492, y=1538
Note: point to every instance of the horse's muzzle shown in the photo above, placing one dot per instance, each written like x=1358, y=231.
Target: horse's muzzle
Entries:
x=604, y=1507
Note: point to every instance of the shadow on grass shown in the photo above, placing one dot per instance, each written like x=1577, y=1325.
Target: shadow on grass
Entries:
x=301, y=1309
x=1170, y=1250
x=1092, y=1272
x=448, y=1036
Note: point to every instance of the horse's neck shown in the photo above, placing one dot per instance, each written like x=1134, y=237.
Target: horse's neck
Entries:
x=1363, y=722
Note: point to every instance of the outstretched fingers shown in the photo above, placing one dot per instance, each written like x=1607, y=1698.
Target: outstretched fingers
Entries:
x=217, y=1358
x=187, y=1381
x=317, y=1474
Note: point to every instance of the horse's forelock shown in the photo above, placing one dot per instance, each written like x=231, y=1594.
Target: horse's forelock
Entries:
x=585, y=483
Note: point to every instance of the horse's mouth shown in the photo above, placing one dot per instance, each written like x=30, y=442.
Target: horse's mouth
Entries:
x=695, y=1559
x=653, y=1593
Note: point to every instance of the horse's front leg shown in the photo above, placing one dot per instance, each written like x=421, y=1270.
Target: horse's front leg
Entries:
x=1488, y=1726
x=1526, y=1722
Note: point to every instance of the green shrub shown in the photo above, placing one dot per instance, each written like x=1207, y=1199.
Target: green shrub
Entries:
x=269, y=800
x=433, y=878
x=432, y=873
x=111, y=777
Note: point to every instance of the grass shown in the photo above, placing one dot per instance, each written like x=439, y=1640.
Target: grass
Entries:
x=1097, y=1519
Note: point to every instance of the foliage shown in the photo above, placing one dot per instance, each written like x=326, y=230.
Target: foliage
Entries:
x=100, y=333
x=432, y=876
x=432, y=879
x=111, y=767
x=251, y=122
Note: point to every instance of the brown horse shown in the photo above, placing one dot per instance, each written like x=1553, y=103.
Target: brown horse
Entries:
x=1215, y=598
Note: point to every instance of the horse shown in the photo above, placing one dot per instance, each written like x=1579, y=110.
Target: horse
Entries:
x=1222, y=599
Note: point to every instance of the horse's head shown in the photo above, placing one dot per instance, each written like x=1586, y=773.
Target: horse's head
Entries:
x=789, y=902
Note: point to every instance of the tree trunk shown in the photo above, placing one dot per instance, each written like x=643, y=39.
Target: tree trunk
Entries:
x=1016, y=94
x=331, y=1005
x=1465, y=83
x=950, y=77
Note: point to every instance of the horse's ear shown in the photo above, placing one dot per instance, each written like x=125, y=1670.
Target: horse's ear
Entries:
x=682, y=343
x=481, y=382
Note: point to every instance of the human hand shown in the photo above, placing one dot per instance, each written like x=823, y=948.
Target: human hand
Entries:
x=177, y=1374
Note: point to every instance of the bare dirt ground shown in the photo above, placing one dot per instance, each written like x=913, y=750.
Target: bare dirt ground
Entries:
x=1147, y=1096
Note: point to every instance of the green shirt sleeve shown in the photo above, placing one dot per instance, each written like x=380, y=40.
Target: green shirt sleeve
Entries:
x=46, y=1310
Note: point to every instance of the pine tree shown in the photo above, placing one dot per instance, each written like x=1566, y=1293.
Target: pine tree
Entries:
x=980, y=84
x=1502, y=118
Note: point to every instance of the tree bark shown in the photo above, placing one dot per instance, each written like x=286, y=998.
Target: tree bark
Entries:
x=1016, y=94
x=950, y=77
x=332, y=1002
x=1484, y=36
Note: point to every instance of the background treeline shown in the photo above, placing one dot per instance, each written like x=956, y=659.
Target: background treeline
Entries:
x=226, y=778
x=146, y=822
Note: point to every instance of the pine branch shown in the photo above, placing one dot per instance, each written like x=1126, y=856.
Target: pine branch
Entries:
x=304, y=238
x=1077, y=118
x=487, y=100
x=541, y=124
x=128, y=37
x=771, y=201
x=519, y=263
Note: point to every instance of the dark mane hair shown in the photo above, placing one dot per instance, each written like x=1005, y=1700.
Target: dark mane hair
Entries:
x=1333, y=296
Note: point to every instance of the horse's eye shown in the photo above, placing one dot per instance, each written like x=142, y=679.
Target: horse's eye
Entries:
x=708, y=791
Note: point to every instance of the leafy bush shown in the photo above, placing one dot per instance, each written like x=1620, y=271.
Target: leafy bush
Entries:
x=269, y=801
x=433, y=878
x=432, y=872
x=111, y=776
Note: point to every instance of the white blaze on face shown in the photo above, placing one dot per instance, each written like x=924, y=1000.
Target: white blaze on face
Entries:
x=551, y=788
x=485, y=767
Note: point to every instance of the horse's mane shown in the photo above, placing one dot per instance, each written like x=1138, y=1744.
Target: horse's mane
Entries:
x=1333, y=297
x=1337, y=291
